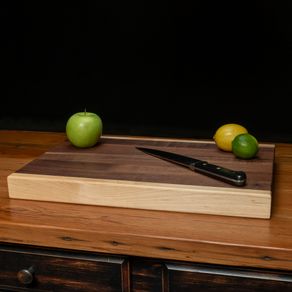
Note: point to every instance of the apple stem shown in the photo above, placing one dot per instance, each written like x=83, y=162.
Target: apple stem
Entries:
x=85, y=111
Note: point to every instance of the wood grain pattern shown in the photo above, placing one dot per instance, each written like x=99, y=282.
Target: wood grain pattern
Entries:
x=114, y=173
x=226, y=240
x=146, y=275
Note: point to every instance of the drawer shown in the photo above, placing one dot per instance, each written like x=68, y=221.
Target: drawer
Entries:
x=189, y=278
x=41, y=270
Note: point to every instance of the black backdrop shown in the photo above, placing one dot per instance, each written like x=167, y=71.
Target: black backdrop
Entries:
x=171, y=69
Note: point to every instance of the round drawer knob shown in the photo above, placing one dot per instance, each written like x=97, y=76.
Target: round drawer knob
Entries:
x=26, y=276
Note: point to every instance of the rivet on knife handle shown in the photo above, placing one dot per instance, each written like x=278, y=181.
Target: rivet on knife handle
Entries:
x=237, y=178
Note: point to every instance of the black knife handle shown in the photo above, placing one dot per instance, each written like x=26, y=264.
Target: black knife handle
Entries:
x=233, y=177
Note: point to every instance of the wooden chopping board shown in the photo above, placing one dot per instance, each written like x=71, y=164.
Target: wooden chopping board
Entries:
x=114, y=173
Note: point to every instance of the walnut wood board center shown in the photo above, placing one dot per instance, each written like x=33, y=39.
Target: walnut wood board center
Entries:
x=114, y=173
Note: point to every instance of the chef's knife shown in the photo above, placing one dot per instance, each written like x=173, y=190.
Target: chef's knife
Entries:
x=230, y=176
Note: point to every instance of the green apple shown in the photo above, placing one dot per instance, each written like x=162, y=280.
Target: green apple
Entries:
x=84, y=129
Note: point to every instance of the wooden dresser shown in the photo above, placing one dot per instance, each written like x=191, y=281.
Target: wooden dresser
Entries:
x=68, y=247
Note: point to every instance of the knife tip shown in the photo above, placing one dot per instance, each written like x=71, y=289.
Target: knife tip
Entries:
x=144, y=149
x=140, y=148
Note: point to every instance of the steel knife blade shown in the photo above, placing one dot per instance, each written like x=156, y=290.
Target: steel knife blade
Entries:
x=237, y=178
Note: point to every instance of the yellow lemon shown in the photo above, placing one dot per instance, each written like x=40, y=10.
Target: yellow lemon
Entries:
x=226, y=133
x=245, y=146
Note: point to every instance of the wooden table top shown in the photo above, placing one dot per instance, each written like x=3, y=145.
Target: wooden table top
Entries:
x=265, y=243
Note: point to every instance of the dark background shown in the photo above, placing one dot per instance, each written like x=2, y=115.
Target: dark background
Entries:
x=171, y=69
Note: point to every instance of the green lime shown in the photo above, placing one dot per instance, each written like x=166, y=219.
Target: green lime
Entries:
x=245, y=146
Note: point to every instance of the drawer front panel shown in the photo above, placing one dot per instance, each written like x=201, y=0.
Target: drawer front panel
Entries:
x=51, y=271
x=185, y=278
